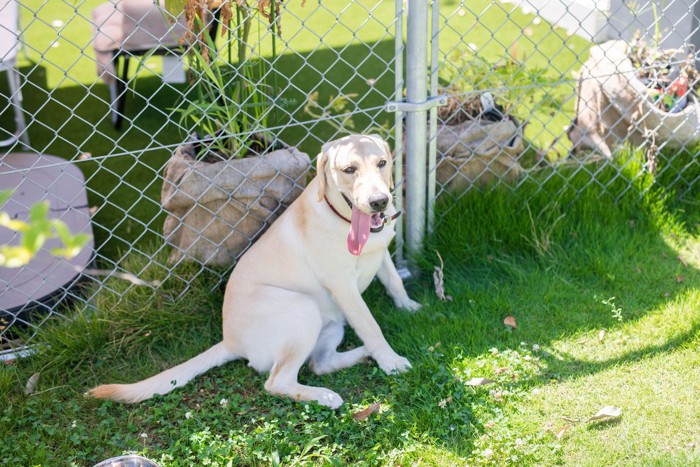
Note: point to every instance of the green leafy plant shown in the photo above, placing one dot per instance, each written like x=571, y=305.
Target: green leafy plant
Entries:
x=34, y=235
x=615, y=310
x=338, y=113
x=519, y=88
x=229, y=109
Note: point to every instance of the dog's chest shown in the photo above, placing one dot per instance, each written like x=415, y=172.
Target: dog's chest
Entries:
x=367, y=266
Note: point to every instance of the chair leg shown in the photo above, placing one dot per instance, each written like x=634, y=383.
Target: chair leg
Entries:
x=16, y=96
x=118, y=91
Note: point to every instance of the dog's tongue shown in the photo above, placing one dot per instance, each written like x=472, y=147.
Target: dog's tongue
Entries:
x=359, y=231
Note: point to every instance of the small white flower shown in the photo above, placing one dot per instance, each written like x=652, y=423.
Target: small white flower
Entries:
x=223, y=402
x=188, y=415
x=488, y=453
x=443, y=403
x=535, y=391
x=74, y=424
x=535, y=348
x=144, y=435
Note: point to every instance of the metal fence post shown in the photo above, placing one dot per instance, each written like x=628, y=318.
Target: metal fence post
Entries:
x=416, y=108
x=416, y=93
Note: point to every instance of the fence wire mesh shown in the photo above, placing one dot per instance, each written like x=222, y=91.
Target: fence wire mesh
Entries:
x=120, y=92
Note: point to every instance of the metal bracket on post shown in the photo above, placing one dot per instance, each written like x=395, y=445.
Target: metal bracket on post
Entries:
x=404, y=106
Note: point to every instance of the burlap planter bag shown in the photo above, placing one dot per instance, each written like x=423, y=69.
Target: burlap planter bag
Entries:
x=613, y=106
x=217, y=210
x=478, y=152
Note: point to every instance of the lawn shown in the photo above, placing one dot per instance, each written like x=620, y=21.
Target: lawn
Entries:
x=602, y=284
x=599, y=269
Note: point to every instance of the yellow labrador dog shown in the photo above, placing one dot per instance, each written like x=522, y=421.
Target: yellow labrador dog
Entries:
x=290, y=295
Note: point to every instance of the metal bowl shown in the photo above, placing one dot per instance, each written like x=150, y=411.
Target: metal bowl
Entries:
x=127, y=461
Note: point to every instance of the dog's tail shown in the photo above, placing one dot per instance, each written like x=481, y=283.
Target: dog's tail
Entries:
x=166, y=381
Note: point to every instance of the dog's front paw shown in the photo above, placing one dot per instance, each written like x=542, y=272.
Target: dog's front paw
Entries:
x=409, y=305
x=392, y=363
x=329, y=399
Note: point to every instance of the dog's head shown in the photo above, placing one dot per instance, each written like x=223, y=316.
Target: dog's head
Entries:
x=358, y=167
x=357, y=170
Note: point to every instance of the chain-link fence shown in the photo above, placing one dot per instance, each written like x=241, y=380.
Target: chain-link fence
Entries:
x=129, y=122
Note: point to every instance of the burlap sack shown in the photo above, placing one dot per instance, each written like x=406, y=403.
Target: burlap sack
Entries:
x=478, y=152
x=217, y=210
x=613, y=107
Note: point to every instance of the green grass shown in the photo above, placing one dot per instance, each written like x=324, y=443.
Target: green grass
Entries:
x=603, y=283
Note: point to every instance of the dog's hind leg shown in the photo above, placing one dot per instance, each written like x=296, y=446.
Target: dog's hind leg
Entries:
x=296, y=331
x=326, y=359
x=283, y=382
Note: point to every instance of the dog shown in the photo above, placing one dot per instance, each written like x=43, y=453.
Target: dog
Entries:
x=290, y=295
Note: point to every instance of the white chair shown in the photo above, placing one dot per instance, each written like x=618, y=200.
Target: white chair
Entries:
x=129, y=28
x=9, y=47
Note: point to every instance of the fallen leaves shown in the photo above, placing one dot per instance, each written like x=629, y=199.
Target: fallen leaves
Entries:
x=562, y=430
x=439, y=281
x=32, y=383
x=510, y=322
x=363, y=414
x=476, y=382
x=607, y=413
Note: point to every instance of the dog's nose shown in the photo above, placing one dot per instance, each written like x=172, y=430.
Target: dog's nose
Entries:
x=378, y=202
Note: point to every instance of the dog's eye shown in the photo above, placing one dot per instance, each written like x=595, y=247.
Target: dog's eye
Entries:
x=382, y=163
x=350, y=170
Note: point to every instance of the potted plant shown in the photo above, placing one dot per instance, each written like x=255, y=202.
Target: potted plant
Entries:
x=478, y=141
x=637, y=95
x=231, y=179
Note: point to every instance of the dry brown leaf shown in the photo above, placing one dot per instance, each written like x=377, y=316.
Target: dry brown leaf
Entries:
x=363, y=414
x=570, y=419
x=683, y=261
x=479, y=382
x=510, y=322
x=609, y=412
x=562, y=430
x=439, y=281
x=32, y=382
x=601, y=335
x=679, y=278
x=501, y=370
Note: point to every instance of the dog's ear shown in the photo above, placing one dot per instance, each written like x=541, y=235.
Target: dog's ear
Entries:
x=390, y=158
x=321, y=162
